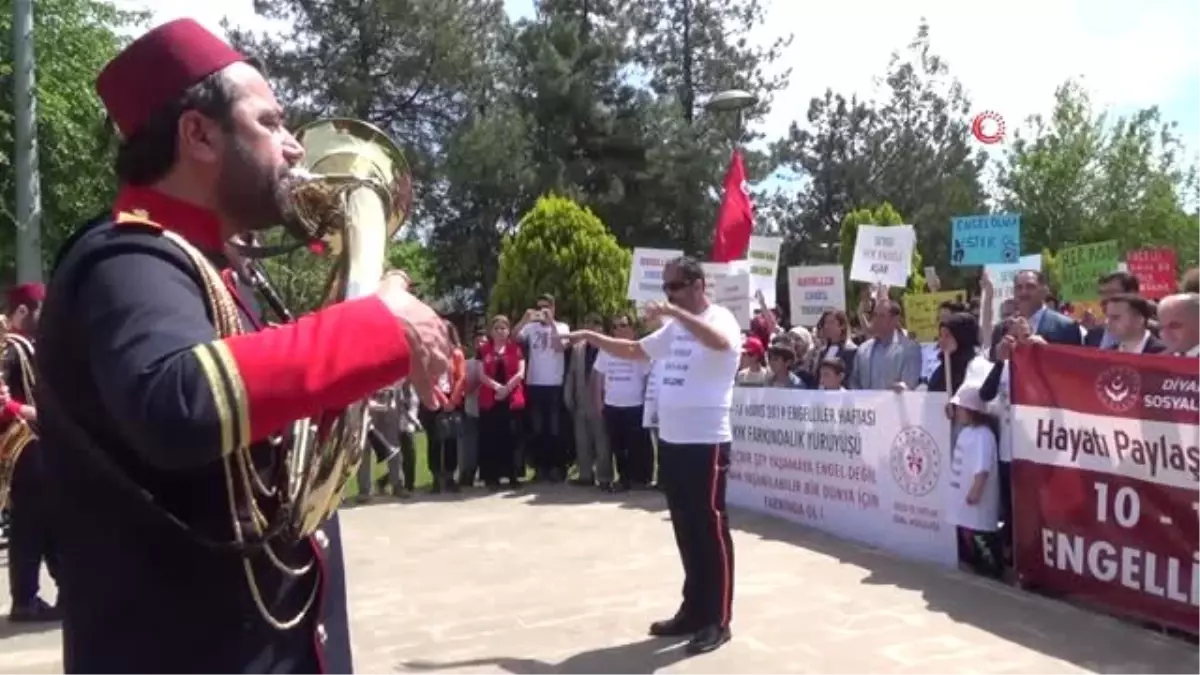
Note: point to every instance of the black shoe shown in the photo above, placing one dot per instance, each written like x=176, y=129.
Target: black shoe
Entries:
x=676, y=626
x=38, y=611
x=605, y=487
x=436, y=487
x=452, y=486
x=708, y=639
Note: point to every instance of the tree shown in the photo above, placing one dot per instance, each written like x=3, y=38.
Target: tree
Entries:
x=423, y=71
x=73, y=39
x=561, y=248
x=884, y=216
x=1078, y=178
x=912, y=150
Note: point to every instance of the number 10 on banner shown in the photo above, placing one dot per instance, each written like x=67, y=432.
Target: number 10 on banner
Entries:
x=1126, y=505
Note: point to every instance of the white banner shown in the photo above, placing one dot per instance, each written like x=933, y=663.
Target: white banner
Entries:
x=763, y=256
x=733, y=293
x=871, y=466
x=814, y=289
x=883, y=254
x=1002, y=277
x=645, y=276
x=714, y=272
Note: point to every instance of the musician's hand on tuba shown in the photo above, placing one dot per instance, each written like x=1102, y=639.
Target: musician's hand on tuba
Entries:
x=428, y=342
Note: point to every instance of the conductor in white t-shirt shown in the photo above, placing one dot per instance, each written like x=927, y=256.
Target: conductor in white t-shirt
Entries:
x=698, y=347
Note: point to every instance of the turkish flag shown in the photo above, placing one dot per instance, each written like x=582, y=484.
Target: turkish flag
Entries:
x=735, y=219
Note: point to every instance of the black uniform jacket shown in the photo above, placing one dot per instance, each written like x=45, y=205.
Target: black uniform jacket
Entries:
x=140, y=491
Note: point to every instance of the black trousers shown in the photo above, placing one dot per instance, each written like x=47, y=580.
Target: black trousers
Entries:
x=441, y=443
x=31, y=537
x=693, y=477
x=547, y=452
x=1006, y=513
x=630, y=444
x=497, y=444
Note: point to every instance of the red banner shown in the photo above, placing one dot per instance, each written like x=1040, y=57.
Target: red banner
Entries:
x=1156, y=269
x=1106, y=464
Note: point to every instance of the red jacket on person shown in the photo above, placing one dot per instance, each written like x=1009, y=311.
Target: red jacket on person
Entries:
x=513, y=355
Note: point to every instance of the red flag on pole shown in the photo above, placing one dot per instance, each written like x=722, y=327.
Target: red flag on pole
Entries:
x=735, y=219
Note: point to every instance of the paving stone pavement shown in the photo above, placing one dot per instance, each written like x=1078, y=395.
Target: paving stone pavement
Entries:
x=559, y=580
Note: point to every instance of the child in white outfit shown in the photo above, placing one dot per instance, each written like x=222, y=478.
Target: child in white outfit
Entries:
x=974, y=482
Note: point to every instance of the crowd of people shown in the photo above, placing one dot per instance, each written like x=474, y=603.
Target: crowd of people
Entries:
x=527, y=396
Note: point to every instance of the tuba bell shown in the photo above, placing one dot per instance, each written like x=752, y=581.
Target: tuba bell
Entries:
x=356, y=196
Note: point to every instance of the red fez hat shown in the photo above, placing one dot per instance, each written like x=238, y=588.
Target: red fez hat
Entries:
x=156, y=68
x=26, y=294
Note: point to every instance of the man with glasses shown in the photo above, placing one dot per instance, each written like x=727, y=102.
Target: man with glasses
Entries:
x=889, y=360
x=544, y=338
x=698, y=346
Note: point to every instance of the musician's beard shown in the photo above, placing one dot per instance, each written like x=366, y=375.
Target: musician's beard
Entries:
x=251, y=195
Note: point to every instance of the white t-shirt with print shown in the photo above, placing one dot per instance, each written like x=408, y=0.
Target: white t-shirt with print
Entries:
x=546, y=366
x=624, y=380
x=974, y=452
x=695, y=389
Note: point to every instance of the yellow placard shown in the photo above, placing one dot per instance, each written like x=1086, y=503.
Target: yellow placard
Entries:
x=921, y=313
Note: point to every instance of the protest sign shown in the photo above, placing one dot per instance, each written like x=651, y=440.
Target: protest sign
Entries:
x=1002, y=277
x=1156, y=269
x=883, y=255
x=645, y=277
x=921, y=313
x=1080, y=268
x=814, y=289
x=733, y=293
x=763, y=257
x=985, y=239
x=864, y=465
x=714, y=272
x=1104, y=475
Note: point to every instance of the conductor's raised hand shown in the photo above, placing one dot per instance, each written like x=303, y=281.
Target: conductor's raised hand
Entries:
x=428, y=340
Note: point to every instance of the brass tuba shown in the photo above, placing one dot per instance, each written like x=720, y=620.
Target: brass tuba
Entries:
x=351, y=195
x=356, y=198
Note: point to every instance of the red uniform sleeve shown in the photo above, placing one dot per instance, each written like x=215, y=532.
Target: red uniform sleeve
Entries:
x=322, y=361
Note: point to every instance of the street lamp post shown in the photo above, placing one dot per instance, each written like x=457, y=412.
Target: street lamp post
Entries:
x=25, y=150
x=734, y=101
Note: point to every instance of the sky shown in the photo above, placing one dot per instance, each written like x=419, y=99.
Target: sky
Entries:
x=1009, y=56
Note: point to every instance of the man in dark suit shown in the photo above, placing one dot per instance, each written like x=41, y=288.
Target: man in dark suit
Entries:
x=1117, y=283
x=1127, y=316
x=1029, y=293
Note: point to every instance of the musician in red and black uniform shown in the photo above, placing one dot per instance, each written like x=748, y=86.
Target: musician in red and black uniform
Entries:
x=141, y=400
x=30, y=533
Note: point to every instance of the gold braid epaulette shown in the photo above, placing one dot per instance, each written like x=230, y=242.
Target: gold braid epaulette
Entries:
x=24, y=349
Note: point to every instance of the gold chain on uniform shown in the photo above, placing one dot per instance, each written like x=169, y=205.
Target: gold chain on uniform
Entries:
x=228, y=324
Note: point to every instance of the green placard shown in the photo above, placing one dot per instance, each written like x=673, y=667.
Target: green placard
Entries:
x=1080, y=268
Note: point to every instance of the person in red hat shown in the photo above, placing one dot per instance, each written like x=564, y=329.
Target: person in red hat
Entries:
x=156, y=369
x=31, y=537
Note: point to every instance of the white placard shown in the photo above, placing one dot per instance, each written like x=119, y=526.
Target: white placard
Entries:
x=733, y=293
x=1002, y=277
x=645, y=275
x=814, y=289
x=864, y=465
x=763, y=256
x=883, y=255
x=714, y=272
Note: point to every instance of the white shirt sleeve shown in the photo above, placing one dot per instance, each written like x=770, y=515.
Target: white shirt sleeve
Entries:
x=527, y=330
x=727, y=324
x=657, y=345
